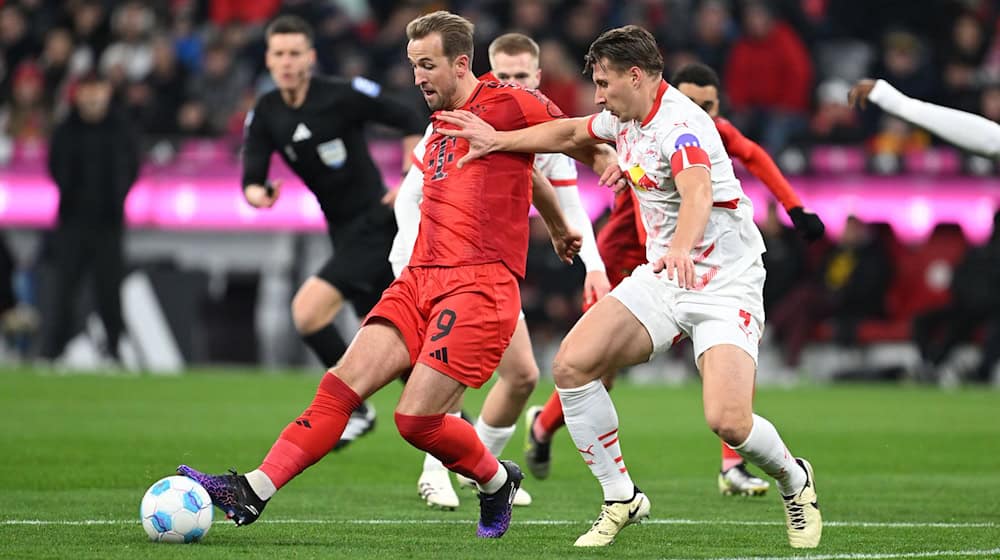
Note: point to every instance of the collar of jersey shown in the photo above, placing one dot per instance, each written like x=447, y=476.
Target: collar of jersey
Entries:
x=656, y=102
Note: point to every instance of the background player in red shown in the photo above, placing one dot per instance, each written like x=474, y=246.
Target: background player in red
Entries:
x=622, y=244
x=451, y=313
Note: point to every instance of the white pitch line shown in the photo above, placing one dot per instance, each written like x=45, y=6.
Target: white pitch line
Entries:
x=852, y=524
x=875, y=556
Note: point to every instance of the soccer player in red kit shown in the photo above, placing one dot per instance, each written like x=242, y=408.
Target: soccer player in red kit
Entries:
x=622, y=245
x=451, y=313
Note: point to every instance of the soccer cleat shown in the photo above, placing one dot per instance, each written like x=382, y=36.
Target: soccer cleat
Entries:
x=737, y=481
x=361, y=422
x=614, y=517
x=537, y=454
x=229, y=492
x=805, y=524
x=495, y=508
x=521, y=497
x=434, y=487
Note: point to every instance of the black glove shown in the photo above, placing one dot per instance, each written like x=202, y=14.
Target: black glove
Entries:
x=807, y=223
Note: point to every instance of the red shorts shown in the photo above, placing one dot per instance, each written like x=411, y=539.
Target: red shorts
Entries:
x=620, y=262
x=456, y=320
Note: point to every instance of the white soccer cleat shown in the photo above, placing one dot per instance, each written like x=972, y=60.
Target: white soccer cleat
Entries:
x=737, y=481
x=521, y=497
x=614, y=517
x=434, y=487
x=805, y=524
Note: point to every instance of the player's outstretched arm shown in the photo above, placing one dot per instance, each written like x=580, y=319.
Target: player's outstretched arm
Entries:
x=695, y=187
x=565, y=239
x=560, y=135
x=965, y=130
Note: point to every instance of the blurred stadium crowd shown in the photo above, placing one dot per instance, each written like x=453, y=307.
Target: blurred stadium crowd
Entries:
x=192, y=68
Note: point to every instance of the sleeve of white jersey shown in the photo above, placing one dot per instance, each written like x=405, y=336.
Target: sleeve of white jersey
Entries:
x=560, y=170
x=407, y=209
x=603, y=126
x=683, y=149
x=965, y=130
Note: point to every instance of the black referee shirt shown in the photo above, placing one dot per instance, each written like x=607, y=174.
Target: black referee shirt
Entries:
x=323, y=141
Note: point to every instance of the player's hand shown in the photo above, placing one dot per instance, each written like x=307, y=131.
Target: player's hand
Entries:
x=678, y=264
x=807, y=223
x=567, y=244
x=390, y=198
x=595, y=286
x=481, y=136
x=859, y=93
x=613, y=178
x=263, y=196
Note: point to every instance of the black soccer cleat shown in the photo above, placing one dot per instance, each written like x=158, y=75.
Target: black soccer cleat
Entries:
x=495, y=508
x=229, y=492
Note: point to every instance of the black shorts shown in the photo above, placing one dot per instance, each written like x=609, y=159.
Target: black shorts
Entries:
x=359, y=267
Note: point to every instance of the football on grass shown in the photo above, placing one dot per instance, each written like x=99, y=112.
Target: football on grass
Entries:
x=176, y=509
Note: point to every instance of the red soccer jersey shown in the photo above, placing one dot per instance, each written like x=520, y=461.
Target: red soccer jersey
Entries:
x=479, y=213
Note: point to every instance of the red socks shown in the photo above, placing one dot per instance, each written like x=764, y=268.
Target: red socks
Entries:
x=453, y=441
x=551, y=417
x=730, y=458
x=314, y=433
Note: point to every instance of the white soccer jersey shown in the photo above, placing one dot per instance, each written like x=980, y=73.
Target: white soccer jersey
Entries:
x=675, y=135
x=559, y=169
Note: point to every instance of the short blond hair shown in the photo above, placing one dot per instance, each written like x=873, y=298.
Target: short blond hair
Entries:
x=513, y=44
x=455, y=30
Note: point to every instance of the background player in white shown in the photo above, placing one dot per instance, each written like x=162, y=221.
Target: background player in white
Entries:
x=965, y=130
x=513, y=58
x=704, y=278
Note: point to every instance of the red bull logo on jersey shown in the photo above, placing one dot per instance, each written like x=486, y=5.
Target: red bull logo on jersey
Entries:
x=641, y=180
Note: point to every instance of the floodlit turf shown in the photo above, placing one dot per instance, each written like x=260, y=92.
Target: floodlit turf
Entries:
x=902, y=472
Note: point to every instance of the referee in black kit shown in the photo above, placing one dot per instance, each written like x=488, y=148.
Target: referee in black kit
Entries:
x=317, y=125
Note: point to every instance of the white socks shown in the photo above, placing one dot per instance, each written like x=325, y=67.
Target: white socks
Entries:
x=260, y=484
x=431, y=463
x=764, y=448
x=495, y=439
x=593, y=424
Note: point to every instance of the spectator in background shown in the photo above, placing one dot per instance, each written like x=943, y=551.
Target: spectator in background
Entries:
x=964, y=55
x=257, y=12
x=769, y=77
x=163, y=89
x=16, y=44
x=561, y=81
x=130, y=57
x=834, y=122
x=714, y=31
x=28, y=117
x=219, y=87
x=93, y=160
x=975, y=303
x=56, y=63
x=852, y=286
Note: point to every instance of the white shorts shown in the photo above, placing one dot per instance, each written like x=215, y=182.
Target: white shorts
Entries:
x=729, y=314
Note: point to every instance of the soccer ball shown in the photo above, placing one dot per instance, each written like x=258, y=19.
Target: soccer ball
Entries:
x=176, y=509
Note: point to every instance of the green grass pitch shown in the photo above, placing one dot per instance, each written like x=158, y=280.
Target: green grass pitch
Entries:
x=902, y=472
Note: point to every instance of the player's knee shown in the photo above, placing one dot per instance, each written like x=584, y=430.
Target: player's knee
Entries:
x=311, y=313
x=419, y=431
x=566, y=373
x=731, y=425
x=522, y=378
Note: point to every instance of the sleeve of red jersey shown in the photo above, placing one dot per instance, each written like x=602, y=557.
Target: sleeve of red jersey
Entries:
x=683, y=146
x=758, y=162
x=535, y=107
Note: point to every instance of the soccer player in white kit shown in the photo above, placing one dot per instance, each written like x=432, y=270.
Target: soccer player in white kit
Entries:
x=513, y=58
x=704, y=278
